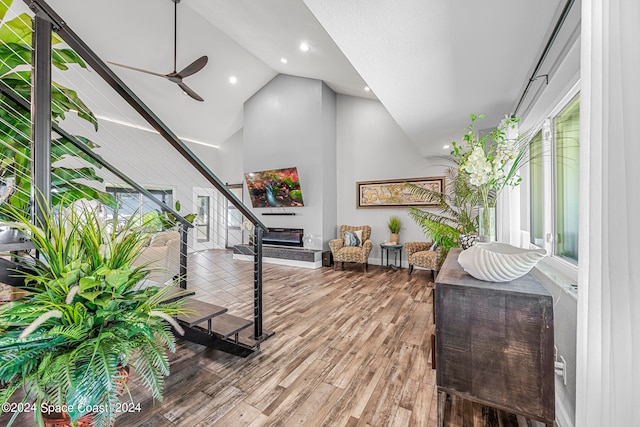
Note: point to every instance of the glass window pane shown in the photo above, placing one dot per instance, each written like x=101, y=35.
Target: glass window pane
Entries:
x=128, y=206
x=202, y=220
x=132, y=204
x=535, y=176
x=567, y=147
x=163, y=195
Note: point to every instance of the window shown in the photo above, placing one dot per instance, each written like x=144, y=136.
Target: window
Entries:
x=129, y=202
x=203, y=220
x=567, y=152
x=553, y=183
x=535, y=175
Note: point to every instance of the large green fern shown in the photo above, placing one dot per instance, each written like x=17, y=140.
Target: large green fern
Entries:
x=84, y=318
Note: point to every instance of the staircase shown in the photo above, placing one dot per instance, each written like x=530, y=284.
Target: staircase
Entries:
x=207, y=324
x=204, y=323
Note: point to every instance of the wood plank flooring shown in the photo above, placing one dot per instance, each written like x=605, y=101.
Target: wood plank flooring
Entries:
x=350, y=349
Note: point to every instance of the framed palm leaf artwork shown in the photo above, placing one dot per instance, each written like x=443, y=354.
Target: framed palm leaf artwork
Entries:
x=395, y=193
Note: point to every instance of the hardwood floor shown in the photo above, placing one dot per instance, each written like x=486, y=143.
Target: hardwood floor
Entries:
x=350, y=349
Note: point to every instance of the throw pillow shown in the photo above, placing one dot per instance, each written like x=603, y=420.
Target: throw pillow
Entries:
x=353, y=238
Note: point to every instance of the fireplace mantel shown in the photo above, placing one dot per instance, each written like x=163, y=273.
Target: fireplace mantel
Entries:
x=295, y=257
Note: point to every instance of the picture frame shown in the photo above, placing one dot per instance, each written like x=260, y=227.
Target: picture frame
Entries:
x=394, y=193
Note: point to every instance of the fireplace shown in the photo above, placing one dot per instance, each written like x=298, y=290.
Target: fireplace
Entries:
x=283, y=237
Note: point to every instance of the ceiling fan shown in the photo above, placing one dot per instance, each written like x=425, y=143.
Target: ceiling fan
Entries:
x=176, y=76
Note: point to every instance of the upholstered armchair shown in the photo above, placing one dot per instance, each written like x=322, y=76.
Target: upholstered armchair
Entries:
x=359, y=253
x=421, y=254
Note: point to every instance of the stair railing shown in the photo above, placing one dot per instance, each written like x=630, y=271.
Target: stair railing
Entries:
x=41, y=113
x=184, y=224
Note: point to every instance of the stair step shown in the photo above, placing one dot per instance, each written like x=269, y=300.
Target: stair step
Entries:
x=203, y=311
x=226, y=325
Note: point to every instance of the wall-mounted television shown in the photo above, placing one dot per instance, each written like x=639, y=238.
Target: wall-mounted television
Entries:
x=274, y=188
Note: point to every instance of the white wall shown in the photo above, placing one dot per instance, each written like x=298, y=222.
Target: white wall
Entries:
x=230, y=168
x=281, y=130
x=146, y=158
x=329, y=171
x=289, y=123
x=371, y=146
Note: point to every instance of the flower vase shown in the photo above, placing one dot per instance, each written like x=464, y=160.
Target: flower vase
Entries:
x=487, y=224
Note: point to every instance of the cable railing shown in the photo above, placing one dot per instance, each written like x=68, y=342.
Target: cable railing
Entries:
x=75, y=167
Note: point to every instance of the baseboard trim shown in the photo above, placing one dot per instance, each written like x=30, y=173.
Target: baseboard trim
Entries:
x=280, y=261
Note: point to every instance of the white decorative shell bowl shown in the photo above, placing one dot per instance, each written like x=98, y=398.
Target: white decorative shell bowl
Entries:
x=499, y=262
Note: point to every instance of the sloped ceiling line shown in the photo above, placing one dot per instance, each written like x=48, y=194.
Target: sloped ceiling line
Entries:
x=430, y=63
x=433, y=63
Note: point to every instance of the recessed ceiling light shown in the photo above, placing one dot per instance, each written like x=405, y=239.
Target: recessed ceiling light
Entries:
x=305, y=47
x=445, y=147
x=283, y=60
x=367, y=88
x=233, y=80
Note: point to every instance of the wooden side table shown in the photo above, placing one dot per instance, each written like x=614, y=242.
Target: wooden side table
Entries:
x=396, y=249
x=494, y=341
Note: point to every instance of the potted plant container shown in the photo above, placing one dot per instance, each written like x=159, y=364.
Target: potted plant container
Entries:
x=394, y=228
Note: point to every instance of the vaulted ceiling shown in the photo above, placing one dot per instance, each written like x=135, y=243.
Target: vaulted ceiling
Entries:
x=429, y=62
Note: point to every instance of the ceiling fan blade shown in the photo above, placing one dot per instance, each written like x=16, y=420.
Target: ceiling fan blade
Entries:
x=194, y=67
x=138, y=69
x=190, y=92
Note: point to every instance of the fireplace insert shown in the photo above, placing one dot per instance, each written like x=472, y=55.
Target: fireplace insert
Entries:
x=283, y=237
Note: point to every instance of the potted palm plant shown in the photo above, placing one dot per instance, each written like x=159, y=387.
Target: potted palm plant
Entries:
x=86, y=316
x=394, y=225
x=458, y=210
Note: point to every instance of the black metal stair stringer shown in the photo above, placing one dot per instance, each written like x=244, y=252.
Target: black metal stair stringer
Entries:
x=209, y=325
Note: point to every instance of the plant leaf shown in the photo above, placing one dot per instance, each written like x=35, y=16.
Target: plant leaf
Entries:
x=16, y=30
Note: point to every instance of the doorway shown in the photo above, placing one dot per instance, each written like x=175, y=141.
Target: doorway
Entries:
x=204, y=224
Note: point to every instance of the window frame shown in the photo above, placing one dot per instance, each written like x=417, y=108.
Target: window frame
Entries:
x=555, y=179
x=558, y=263
x=160, y=192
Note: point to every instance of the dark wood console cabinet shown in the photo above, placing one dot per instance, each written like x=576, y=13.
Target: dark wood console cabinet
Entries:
x=494, y=342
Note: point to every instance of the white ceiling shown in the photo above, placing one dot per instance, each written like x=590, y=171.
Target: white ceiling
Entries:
x=430, y=62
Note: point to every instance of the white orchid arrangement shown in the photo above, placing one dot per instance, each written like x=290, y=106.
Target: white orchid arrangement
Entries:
x=491, y=162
